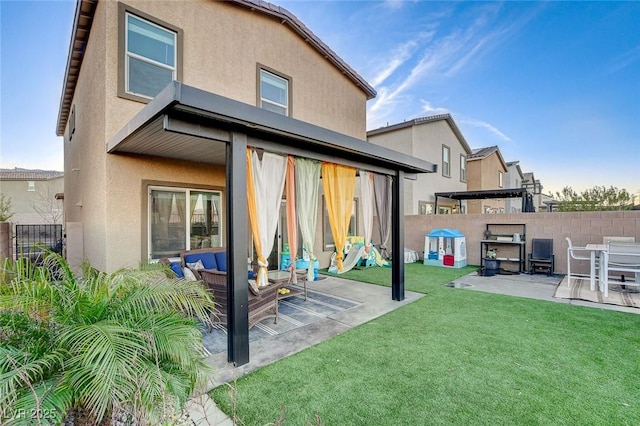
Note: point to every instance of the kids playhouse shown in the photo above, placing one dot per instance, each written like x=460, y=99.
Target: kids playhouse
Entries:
x=445, y=247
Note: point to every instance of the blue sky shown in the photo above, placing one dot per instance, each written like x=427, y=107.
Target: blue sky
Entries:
x=556, y=85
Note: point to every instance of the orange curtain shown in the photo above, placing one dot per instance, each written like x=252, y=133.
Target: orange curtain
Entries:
x=253, y=212
x=292, y=224
x=339, y=184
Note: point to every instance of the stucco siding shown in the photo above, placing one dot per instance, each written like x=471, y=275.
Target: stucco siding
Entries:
x=222, y=46
x=84, y=154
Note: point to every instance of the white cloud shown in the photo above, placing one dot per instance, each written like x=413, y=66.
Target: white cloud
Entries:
x=483, y=124
x=428, y=109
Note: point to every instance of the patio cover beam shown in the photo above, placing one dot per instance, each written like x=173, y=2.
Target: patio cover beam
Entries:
x=237, y=282
x=397, y=237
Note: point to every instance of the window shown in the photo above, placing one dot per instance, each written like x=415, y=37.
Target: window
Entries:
x=500, y=179
x=31, y=186
x=327, y=236
x=425, y=207
x=183, y=219
x=446, y=161
x=274, y=92
x=463, y=168
x=444, y=210
x=72, y=122
x=150, y=55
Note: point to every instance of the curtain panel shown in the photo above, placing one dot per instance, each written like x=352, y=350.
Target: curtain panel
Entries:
x=307, y=175
x=339, y=183
x=265, y=185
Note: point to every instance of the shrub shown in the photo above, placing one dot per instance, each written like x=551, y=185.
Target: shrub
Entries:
x=125, y=344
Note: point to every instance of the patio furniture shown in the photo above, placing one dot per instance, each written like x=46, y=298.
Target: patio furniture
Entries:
x=580, y=254
x=621, y=258
x=263, y=302
x=541, y=256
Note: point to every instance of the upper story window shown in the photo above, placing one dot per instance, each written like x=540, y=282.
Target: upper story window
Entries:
x=463, y=168
x=446, y=161
x=31, y=186
x=500, y=179
x=150, y=52
x=274, y=92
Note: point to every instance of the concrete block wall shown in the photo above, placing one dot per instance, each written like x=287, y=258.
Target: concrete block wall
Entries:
x=581, y=227
x=6, y=241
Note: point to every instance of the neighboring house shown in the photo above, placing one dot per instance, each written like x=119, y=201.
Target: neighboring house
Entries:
x=534, y=187
x=436, y=139
x=33, y=195
x=513, y=179
x=486, y=170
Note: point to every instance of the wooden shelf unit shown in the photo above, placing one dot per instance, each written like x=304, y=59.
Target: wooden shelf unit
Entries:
x=501, y=238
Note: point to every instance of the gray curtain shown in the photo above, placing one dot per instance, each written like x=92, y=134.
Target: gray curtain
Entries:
x=382, y=189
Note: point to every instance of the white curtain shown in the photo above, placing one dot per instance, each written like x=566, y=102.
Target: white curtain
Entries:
x=268, y=180
x=307, y=188
x=366, y=193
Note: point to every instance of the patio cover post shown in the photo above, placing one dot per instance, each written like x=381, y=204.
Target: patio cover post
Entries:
x=237, y=280
x=397, y=236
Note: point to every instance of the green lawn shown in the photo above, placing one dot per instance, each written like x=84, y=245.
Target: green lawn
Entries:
x=456, y=357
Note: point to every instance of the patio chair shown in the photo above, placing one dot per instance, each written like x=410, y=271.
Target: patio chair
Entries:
x=579, y=254
x=622, y=259
x=541, y=256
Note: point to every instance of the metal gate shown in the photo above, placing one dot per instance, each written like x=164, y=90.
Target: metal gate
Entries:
x=33, y=240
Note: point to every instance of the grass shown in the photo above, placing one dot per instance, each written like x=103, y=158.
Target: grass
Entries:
x=456, y=357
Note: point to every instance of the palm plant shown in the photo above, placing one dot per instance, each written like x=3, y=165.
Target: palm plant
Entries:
x=121, y=344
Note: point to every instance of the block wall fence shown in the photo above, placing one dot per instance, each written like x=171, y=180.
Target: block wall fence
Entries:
x=582, y=227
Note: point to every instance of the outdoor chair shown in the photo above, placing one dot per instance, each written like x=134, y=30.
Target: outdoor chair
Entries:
x=541, y=256
x=622, y=259
x=578, y=254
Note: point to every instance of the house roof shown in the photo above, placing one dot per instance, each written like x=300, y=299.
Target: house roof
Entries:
x=187, y=123
x=482, y=153
x=423, y=120
x=516, y=164
x=27, y=174
x=85, y=10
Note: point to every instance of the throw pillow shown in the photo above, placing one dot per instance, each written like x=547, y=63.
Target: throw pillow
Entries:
x=196, y=265
x=253, y=286
x=188, y=275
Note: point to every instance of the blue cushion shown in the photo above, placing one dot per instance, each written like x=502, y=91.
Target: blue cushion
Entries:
x=252, y=275
x=221, y=260
x=208, y=259
x=175, y=267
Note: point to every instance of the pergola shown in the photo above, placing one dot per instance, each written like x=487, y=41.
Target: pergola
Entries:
x=486, y=195
x=187, y=123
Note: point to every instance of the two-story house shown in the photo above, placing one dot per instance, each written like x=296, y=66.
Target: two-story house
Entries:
x=162, y=101
x=486, y=170
x=436, y=139
x=513, y=179
x=32, y=194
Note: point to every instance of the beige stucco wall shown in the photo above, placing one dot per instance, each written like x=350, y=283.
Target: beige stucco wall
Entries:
x=583, y=228
x=23, y=201
x=483, y=175
x=424, y=141
x=222, y=46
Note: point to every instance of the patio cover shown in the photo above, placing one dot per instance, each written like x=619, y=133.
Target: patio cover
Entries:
x=484, y=195
x=186, y=123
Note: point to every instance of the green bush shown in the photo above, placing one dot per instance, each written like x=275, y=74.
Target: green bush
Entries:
x=126, y=344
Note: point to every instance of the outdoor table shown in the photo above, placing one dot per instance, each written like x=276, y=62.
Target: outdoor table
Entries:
x=595, y=248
